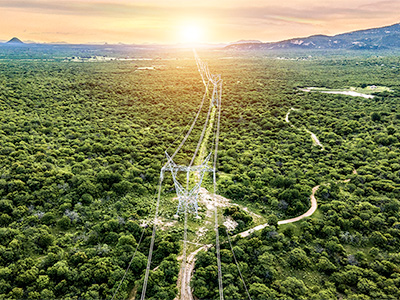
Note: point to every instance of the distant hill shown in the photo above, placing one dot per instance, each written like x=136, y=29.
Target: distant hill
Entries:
x=15, y=40
x=375, y=38
x=247, y=42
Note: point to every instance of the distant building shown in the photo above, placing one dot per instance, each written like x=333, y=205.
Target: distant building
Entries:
x=145, y=68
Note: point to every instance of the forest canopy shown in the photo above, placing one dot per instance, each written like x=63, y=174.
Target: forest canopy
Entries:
x=82, y=145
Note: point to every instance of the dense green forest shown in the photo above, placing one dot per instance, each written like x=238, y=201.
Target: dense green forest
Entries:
x=81, y=150
x=82, y=145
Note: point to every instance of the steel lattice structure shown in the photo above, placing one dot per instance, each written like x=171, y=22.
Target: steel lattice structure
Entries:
x=208, y=78
x=188, y=197
x=217, y=89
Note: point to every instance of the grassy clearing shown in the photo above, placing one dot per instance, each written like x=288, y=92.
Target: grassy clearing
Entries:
x=369, y=90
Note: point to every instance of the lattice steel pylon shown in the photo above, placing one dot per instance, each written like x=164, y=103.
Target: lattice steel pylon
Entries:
x=203, y=69
x=188, y=197
x=208, y=78
x=217, y=89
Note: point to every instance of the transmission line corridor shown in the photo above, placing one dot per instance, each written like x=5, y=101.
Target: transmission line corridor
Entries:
x=187, y=180
x=203, y=160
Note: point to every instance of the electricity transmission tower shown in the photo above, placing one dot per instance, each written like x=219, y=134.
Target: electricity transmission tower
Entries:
x=188, y=197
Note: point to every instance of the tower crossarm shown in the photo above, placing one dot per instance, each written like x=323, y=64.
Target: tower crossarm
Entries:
x=187, y=197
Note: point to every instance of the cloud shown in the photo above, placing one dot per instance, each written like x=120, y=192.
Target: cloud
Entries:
x=301, y=13
x=305, y=13
x=382, y=6
x=157, y=19
x=76, y=7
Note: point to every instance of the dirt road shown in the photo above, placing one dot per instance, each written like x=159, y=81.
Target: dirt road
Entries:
x=315, y=139
x=308, y=213
x=186, y=277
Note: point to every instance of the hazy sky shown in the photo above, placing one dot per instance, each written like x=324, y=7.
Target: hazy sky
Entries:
x=168, y=21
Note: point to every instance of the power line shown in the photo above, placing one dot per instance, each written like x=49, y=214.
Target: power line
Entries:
x=129, y=265
x=215, y=200
x=169, y=161
x=188, y=197
x=237, y=265
x=146, y=277
x=216, y=98
x=202, y=136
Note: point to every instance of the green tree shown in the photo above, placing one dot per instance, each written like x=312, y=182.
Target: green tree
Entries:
x=64, y=223
x=272, y=220
x=260, y=291
x=325, y=265
x=293, y=287
x=298, y=258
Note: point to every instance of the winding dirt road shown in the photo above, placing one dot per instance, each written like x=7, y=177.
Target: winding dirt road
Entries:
x=315, y=139
x=191, y=258
x=308, y=213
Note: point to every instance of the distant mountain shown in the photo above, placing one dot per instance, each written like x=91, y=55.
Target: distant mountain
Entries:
x=246, y=42
x=15, y=40
x=375, y=38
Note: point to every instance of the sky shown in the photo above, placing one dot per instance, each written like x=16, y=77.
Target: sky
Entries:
x=188, y=21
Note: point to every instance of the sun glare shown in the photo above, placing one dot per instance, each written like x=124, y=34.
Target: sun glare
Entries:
x=191, y=34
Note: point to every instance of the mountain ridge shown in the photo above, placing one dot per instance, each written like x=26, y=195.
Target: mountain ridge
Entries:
x=374, y=38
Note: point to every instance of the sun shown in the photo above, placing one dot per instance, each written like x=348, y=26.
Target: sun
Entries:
x=191, y=33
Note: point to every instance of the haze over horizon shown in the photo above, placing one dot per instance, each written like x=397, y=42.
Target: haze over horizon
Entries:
x=169, y=21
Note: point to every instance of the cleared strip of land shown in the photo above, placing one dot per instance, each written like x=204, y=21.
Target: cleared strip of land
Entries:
x=365, y=92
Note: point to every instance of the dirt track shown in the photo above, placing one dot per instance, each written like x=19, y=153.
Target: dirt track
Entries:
x=190, y=261
x=308, y=213
x=191, y=258
x=315, y=139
